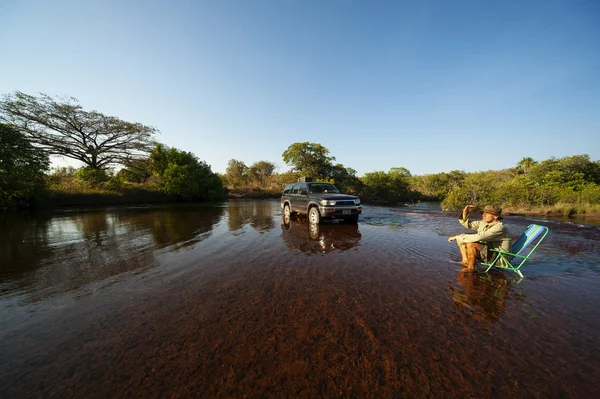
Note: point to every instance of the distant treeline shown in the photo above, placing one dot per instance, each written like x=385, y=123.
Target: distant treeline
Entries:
x=124, y=164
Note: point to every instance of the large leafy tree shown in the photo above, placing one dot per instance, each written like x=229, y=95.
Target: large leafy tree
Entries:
x=261, y=171
x=236, y=172
x=345, y=178
x=392, y=187
x=309, y=159
x=182, y=175
x=22, y=168
x=63, y=127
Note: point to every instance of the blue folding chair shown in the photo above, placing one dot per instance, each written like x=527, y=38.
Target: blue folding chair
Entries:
x=521, y=250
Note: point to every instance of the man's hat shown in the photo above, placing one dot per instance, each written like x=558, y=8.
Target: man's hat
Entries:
x=494, y=210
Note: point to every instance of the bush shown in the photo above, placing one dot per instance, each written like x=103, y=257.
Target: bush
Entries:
x=93, y=176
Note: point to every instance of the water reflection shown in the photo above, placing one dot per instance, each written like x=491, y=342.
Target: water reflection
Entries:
x=298, y=233
x=48, y=255
x=23, y=244
x=482, y=296
x=254, y=213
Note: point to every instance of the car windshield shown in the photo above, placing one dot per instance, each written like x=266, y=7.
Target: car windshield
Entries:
x=322, y=188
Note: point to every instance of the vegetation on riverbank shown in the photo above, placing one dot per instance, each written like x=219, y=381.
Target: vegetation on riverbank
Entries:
x=124, y=165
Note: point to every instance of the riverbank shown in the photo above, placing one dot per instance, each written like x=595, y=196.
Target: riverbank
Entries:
x=66, y=196
x=559, y=210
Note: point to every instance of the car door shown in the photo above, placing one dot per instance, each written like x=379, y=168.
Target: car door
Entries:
x=293, y=197
x=302, y=198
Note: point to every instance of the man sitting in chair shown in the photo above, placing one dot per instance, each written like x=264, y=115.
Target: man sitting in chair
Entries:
x=491, y=234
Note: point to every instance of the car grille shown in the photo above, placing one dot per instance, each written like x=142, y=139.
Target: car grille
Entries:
x=346, y=202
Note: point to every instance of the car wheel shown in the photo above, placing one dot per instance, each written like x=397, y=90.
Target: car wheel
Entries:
x=314, y=216
x=287, y=222
x=286, y=211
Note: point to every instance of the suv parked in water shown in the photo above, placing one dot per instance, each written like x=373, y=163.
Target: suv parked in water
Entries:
x=319, y=200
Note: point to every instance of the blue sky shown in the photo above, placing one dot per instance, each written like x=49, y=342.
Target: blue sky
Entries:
x=432, y=86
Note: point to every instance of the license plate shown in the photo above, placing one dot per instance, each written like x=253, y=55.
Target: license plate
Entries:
x=346, y=212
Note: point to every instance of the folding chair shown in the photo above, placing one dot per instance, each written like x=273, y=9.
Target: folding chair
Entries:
x=520, y=253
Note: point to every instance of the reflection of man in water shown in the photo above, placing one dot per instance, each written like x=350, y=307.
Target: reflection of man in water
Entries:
x=483, y=297
x=491, y=234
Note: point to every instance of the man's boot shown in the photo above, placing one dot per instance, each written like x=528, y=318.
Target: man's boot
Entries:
x=471, y=251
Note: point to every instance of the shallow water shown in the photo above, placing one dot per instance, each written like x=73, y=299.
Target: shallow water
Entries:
x=229, y=300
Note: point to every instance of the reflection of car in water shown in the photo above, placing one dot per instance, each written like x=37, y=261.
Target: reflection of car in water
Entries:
x=318, y=238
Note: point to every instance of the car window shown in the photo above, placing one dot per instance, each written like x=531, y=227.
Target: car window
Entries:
x=303, y=189
x=295, y=189
x=323, y=188
x=288, y=189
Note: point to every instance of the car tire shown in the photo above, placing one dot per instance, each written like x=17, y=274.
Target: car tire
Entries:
x=314, y=216
x=286, y=210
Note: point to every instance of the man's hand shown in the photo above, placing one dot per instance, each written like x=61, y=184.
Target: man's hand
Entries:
x=467, y=210
x=453, y=238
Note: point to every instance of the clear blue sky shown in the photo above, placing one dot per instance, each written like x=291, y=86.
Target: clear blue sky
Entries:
x=432, y=86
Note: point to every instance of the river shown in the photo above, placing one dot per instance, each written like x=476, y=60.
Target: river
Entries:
x=229, y=300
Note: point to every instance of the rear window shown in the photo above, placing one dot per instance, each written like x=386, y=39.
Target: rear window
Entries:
x=288, y=189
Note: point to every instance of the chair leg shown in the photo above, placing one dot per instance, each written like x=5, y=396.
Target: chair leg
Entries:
x=519, y=273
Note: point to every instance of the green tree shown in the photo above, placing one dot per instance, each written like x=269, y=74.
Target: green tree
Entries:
x=136, y=170
x=480, y=188
x=525, y=165
x=309, y=159
x=260, y=172
x=568, y=170
x=392, y=187
x=345, y=178
x=182, y=175
x=22, y=168
x=63, y=127
x=437, y=185
x=236, y=173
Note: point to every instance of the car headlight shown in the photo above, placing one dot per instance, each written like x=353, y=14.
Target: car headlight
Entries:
x=327, y=202
x=356, y=202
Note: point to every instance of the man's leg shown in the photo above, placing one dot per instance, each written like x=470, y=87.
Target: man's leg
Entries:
x=472, y=251
x=463, y=253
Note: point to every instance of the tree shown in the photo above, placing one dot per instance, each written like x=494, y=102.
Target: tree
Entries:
x=261, y=171
x=525, y=165
x=63, y=127
x=184, y=176
x=345, y=178
x=22, y=168
x=574, y=170
x=391, y=187
x=236, y=172
x=310, y=159
x=137, y=170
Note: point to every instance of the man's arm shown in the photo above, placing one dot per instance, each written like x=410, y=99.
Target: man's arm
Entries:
x=466, y=211
x=494, y=233
x=463, y=219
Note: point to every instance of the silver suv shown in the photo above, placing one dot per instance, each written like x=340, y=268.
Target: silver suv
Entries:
x=319, y=200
